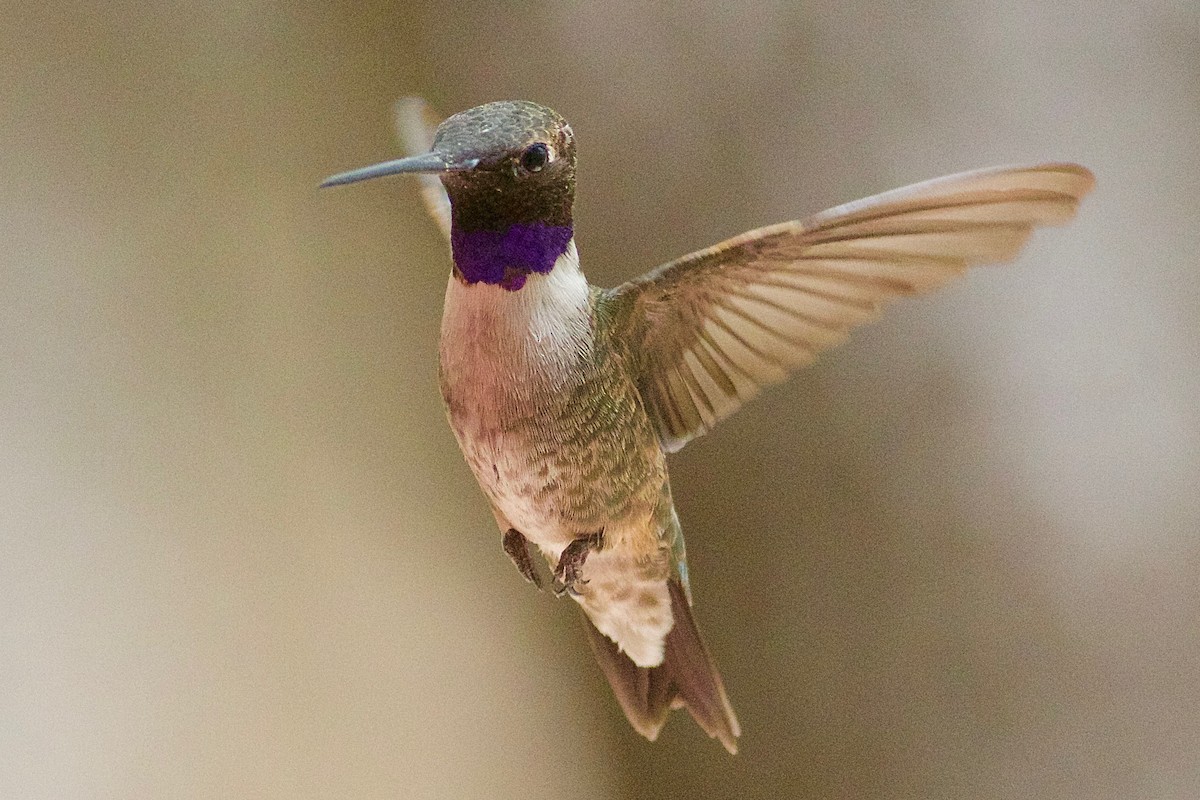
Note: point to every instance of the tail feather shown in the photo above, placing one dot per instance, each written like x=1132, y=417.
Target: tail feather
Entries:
x=687, y=678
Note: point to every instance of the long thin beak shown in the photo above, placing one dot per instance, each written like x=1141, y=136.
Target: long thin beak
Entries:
x=428, y=162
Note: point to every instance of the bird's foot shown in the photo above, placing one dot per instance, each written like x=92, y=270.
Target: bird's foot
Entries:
x=570, y=564
x=517, y=547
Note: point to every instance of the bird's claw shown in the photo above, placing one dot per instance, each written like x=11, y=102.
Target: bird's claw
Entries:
x=567, y=578
x=517, y=548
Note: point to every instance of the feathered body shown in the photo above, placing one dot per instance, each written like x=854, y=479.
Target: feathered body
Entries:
x=543, y=403
x=565, y=398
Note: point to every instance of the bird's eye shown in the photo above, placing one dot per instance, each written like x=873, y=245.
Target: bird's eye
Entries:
x=536, y=156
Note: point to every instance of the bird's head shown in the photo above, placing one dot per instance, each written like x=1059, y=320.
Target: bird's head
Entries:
x=509, y=170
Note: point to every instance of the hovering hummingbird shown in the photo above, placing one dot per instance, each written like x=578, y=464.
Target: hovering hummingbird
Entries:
x=566, y=398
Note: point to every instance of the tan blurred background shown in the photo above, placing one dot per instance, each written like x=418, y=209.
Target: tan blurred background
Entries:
x=240, y=555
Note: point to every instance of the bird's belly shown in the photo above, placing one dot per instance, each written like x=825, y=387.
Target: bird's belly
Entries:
x=524, y=487
x=555, y=478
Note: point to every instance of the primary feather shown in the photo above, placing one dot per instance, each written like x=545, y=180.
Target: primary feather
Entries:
x=716, y=326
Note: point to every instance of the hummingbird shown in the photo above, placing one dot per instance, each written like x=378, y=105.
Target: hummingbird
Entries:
x=566, y=398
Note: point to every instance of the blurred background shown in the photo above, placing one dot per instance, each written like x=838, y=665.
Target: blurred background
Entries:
x=240, y=554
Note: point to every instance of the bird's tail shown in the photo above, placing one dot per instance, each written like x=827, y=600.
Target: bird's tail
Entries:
x=687, y=678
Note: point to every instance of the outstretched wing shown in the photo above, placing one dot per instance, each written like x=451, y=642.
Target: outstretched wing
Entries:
x=415, y=124
x=714, y=327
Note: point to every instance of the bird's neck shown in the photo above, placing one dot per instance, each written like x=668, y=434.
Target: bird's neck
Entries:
x=506, y=257
x=540, y=331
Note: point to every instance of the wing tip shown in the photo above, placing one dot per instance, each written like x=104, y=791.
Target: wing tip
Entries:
x=1073, y=167
x=1080, y=180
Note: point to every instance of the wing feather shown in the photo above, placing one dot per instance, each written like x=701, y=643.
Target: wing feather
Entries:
x=711, y=329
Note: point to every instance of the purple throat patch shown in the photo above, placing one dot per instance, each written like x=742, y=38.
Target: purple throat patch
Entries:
x=506, y=258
